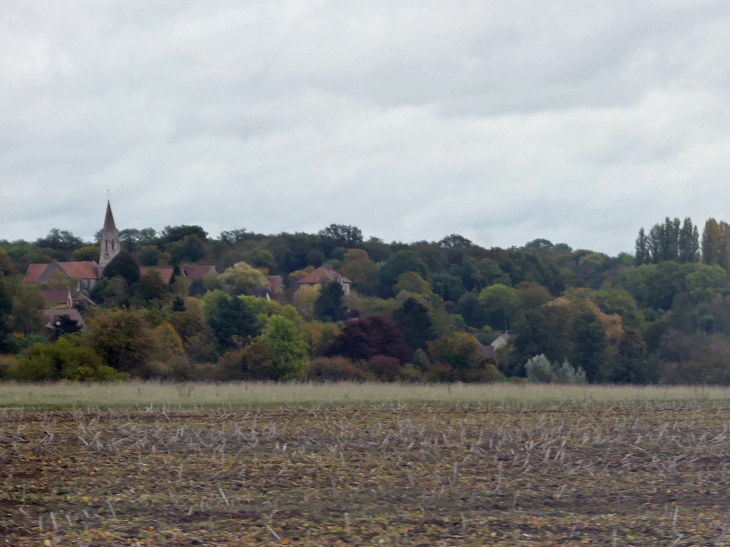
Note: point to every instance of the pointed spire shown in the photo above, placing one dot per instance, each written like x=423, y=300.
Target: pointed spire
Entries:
x=109, y=225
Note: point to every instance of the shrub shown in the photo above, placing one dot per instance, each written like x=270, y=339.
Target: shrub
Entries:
x=540, y=370
x=63, y=361
x=335, y=368
x=384, y=368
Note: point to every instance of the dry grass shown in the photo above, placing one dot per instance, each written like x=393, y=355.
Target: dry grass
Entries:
x=129, y=394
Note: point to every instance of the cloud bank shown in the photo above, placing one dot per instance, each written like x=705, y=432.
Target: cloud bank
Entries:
x=503, y=121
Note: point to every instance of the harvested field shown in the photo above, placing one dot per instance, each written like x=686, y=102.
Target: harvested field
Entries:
x=568, y=474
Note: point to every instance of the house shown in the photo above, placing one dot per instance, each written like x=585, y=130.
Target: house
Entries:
x=276, y=284
x=53, y=317
x=324, y=274
x=501, y=340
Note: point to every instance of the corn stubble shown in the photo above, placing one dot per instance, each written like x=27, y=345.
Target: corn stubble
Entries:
x=650, y=473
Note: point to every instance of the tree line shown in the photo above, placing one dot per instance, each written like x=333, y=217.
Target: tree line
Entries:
x=422, y=311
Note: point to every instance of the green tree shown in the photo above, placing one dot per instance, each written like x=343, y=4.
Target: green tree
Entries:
x=711, y=241
x=86, y=253
x=397, y=264
x=415, y=324
x=125, y=266
x=642, y=256
x=689, y=242
x=328, y=306
x=241, y=277
x=707, y=283
x=27, y=311
x=413, y=283
x=590, y=345
x=63, y=360
x=151, y=290
x=630, y=365
x=285, y=341
x=122, y=339
x=230, y=318
x=501, y=305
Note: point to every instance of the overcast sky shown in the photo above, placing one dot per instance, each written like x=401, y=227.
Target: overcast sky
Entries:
x=503, y=121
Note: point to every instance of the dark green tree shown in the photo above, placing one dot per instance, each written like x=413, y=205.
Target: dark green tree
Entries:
x=590, y=345
x=178, y=305
x=125, y=266
x=642, y=256
x=329, y=307
x=397, y=264
x=65, y=325
x=415, y=324
x=231, y=320
x=630, y=366
x=150, y=289
x=689, y=242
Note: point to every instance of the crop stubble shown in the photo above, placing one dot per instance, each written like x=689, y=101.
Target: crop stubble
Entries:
x=625, y=474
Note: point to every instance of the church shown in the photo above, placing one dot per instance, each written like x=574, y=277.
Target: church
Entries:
x=88, y=273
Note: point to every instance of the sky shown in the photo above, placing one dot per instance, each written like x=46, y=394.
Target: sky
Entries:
x=500, y=120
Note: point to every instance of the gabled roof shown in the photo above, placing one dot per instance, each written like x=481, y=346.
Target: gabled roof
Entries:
x=195, y=272
x=165, y=272
x=56, y=297
x=109, y=225
x=276, y=283
x=34, y=273
x=323, y=274
x=50, y=315
x=81, y=270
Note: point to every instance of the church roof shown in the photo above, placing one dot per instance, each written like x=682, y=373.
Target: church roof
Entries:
x=165, y=272
x=34, y=273
x=194, y=272
x=81, y=270
x=109, y=225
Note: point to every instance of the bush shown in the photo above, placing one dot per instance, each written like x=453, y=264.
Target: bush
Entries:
x=384, y=368
x=63, y=361
x=540, y=370
x=334, y=369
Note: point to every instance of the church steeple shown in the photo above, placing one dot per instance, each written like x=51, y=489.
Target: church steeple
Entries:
x=109, y=242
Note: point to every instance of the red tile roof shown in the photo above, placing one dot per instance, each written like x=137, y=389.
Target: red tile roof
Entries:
x=195, y=272
x=276, y=283
x=50, y=316
x=81, y=270
x=34, y=273
x=323, y=274
x=55, y=297
x=165, y=272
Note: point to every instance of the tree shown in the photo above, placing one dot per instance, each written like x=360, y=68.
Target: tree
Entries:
x=171, y=234
x=363, y=339
x=415, y=324
x=86, y=253
x=448, y=287
x=122, y=339
x=397, y=264
x=305, y=298
x=413, y=283
x=27, y=311
x=590, y=345
x=472, y=310
x=286, y=343
x=706, y=283
x=342, y=235
x=125, y=266
x=362, y=271
x=454, y=241
x=630, y=365
x=230, y=319
x=241, y=277
x=65, y=325
x=501, y=304
x=711, y=241
x=6, y=265
x=151, y=289
x=456, y=357
x=689, y=242
x=329, y=307
x=178, y=305
x=197, y=287
x=643, y=255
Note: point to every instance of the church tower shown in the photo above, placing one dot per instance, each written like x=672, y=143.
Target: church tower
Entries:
x=109, y=240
